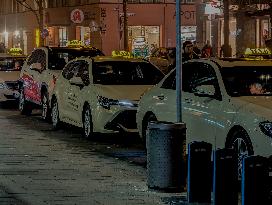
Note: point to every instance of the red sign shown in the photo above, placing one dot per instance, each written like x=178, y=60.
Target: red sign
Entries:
x=77, y=16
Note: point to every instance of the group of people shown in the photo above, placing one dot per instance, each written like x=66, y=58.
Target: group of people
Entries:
x=191, y=50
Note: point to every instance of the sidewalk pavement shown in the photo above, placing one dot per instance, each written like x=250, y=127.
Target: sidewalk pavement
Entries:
x=38, y=167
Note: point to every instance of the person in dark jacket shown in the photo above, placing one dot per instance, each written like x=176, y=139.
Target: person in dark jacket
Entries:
x=188, y=51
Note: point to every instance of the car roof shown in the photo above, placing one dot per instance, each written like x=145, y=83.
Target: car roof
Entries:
x=234, y=62
x=6, y=55
x=110, y=58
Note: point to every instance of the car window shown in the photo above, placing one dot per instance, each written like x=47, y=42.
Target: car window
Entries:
x=170, y=81
x=37, y=56
x=67, y=72
x=125, y=73
x=83, y=71
x=11, y=64
x=199, y=74
x=58, y=57
x=238, y=80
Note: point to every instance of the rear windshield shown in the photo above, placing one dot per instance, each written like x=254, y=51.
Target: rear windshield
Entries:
x=58, y=57
x=126, y=73
x=11, y=64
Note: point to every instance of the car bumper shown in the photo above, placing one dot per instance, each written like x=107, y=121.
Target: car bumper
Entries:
x=116, y=119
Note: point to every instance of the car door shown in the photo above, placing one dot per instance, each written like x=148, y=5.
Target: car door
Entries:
x=63, y=90
x=78, y=94
x=203, y=116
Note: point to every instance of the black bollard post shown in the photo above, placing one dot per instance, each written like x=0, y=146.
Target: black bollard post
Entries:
x=199, y=172
x=165, y=156
x=225, y=177
x=255, y=180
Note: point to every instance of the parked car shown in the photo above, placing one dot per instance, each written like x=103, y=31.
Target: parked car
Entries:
x=10, y=67
x=101, y=94
x=227, y=103
x=39, y=73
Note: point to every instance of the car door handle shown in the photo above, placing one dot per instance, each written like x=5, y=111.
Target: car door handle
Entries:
x=188, y=100
x=159, y=97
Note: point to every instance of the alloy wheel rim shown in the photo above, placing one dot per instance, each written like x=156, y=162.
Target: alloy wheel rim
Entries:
x=44, y=107
x=242, y=151
x=55, y=114
x=87, y=123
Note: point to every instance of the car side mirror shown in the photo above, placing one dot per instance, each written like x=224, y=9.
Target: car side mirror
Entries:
x=77, y=81
x=36, y=67
x=205, y=91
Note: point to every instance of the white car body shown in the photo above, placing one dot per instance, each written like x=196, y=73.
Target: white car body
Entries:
x=212, y=119
x=112, y=106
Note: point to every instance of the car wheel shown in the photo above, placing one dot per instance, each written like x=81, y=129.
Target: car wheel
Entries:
x=55, y=115
x=242, y=145
x=24, y=106
x=148, y=118
x=45, y=107
x=87, y=131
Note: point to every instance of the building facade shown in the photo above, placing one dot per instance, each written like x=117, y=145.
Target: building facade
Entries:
x=100, y=23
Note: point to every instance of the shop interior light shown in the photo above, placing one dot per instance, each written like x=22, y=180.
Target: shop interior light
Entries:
x=16, y=33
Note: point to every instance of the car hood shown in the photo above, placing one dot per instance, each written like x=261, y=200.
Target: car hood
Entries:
x=128, y=92
x=260, y=105
x=9, y=76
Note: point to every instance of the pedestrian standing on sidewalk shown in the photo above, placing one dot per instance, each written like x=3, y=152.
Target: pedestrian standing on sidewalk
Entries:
x=207, y=50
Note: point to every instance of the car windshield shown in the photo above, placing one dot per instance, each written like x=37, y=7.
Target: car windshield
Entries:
x=126, y=73
x=247, y=81
x=58, y=57
x=11, y=64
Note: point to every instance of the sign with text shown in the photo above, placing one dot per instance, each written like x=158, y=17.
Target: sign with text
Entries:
x=187, y=14
x=77, y=16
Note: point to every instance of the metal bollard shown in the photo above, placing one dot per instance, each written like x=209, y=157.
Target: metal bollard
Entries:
x=165, y=156
x=255, y=180
x=199, y=172
x=225, y=177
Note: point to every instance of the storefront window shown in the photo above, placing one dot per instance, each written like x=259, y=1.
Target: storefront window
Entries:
x=188, y=33
x=84, y=34
x=142, y=39
x=63, y=37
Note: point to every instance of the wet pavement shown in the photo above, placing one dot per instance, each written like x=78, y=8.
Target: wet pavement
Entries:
x=42, y=166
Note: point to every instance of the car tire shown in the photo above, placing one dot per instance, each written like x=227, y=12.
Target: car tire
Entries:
x=87, y=128
x=55, y=115
x=46, y=115
x=240, y=142
x=24, y=106
x=148, y=118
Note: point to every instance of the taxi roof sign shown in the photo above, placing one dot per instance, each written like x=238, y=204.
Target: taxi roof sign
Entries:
x=257, y=51
x=15, y=51
x=124, y=54
x=75, y=44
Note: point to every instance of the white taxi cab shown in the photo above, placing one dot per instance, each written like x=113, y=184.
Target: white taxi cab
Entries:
x=101, y=94
x=10, y=66
x=40, y=72
x=227, y=103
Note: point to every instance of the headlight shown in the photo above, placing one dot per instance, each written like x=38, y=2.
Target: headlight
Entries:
x=3, y=86
x=266, y=128
x=106, y=102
